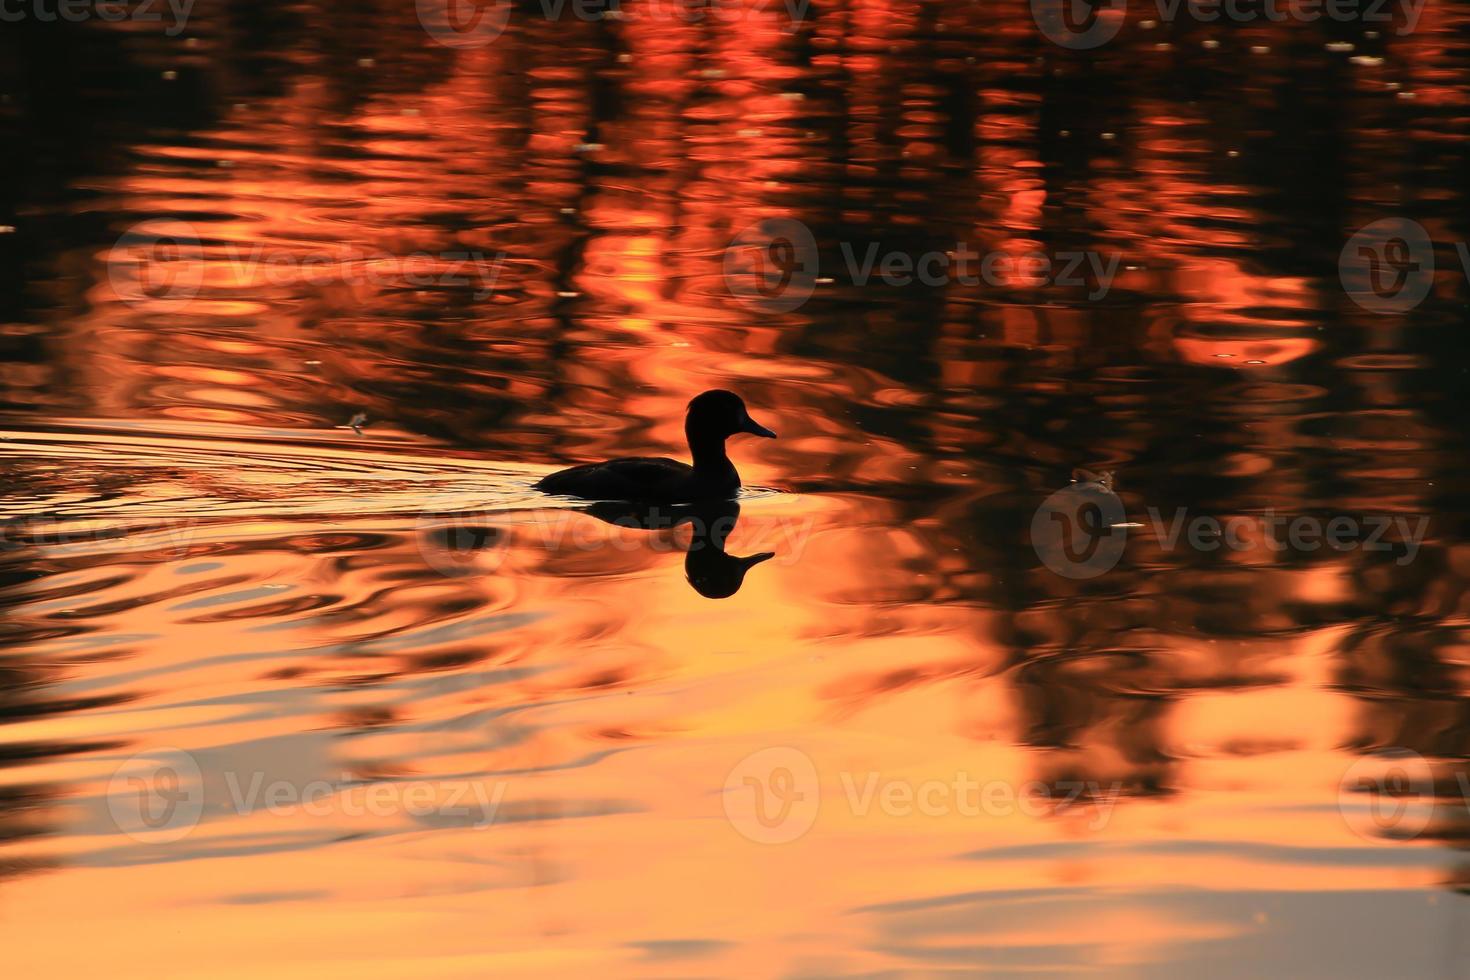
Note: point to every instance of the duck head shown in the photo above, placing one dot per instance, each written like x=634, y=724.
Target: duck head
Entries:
x=716, y=575
x=712, y=572
x=718, y=414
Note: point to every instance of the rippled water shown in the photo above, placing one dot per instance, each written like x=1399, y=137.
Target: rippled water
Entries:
x=301, y=675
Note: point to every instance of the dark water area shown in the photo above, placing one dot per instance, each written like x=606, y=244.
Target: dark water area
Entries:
x=1101, y=608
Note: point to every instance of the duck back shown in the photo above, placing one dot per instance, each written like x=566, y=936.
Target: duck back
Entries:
x=654, y=479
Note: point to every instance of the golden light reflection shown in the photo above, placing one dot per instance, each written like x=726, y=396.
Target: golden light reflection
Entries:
x=269, y=513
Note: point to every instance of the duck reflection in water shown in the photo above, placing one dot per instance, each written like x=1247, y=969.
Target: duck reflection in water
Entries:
x=713, y=573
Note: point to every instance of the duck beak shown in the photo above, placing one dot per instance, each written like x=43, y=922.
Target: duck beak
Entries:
x=750, y=561
x=755, y=428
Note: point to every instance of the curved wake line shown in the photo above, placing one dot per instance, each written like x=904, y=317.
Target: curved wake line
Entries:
x=67, y=476
x=130, y=477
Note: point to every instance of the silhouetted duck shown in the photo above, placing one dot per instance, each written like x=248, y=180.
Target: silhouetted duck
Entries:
x=713, y=416
x=712, y=572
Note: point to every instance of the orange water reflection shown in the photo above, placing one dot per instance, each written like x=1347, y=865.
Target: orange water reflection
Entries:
x=504, y=735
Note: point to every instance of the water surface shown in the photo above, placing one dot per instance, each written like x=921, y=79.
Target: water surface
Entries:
x=282, y=693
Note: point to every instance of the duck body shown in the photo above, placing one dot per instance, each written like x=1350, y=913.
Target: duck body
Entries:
x=712, y=417
x=644, y=479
